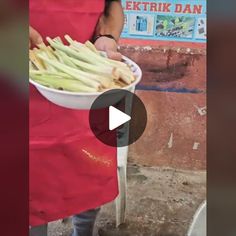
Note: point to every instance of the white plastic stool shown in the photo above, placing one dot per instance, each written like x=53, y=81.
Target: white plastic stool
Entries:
x=122, y=157
x=198, y=226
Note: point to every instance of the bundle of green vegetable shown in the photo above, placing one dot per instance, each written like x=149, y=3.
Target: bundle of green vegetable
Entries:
x=76, y=67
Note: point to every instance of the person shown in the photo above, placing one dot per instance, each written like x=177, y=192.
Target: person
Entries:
x=100, y=21
x=108, y=27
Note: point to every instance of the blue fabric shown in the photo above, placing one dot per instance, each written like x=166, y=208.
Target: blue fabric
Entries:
x=83, y=224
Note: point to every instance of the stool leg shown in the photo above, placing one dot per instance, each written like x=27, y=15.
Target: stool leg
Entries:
x=41, y=230
x=122, y=156
x=121, y=199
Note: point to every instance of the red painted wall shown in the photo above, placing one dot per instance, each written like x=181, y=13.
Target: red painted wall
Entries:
x=172, y=87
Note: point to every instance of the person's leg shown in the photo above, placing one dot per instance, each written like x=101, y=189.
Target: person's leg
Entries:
x=41, y=230
x=84, y=223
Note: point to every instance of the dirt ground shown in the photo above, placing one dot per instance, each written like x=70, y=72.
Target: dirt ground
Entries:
x=161, y=202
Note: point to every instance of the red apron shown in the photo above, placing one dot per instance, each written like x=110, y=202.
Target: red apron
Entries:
x=70, y=170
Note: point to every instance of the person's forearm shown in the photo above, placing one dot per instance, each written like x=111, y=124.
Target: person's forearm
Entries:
x=112, y=21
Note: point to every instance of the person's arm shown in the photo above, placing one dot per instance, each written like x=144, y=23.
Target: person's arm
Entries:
x=110, y=23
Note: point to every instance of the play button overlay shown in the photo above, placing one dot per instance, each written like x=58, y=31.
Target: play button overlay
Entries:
x=118, y=118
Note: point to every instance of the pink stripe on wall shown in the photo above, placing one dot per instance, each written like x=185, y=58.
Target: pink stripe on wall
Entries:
x=141, y=42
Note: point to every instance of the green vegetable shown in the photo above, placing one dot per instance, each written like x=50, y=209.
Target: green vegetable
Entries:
x=76, y=67
x=61, y=83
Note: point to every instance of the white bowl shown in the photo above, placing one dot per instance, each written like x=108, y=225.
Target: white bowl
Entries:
x=82, y=101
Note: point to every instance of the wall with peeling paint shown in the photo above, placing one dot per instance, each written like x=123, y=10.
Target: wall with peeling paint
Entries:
x=173, y=89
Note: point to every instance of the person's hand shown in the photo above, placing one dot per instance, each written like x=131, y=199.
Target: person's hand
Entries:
x=34, y=37
x=109, y=46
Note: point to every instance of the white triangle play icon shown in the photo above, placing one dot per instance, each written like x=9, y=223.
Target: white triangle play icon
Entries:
x=117, y=118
